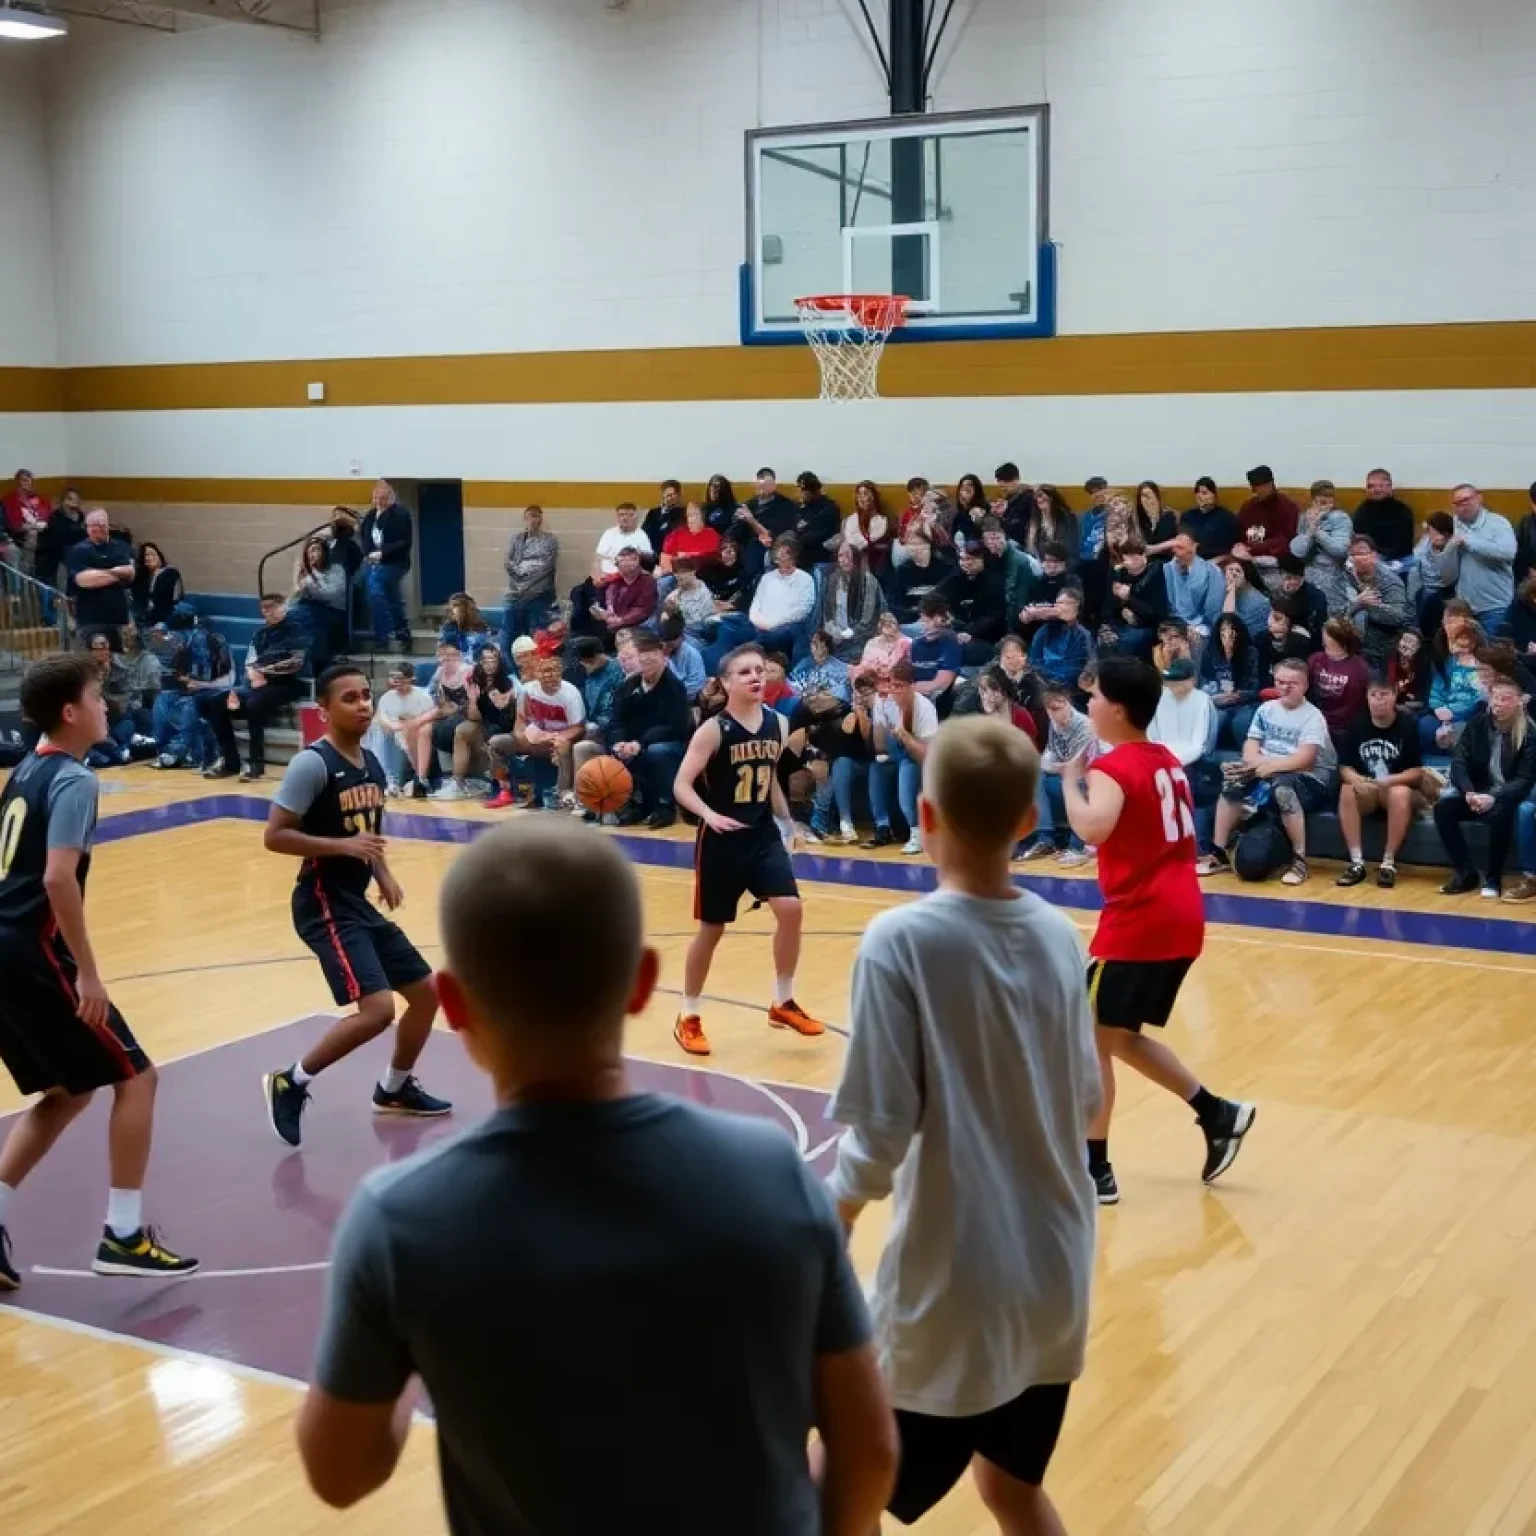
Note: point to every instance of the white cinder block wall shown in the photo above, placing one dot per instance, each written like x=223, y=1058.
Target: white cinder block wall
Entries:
x=505, y=175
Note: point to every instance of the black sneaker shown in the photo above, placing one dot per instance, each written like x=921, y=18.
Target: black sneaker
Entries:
x=1354, y=874
x=10, y=1276
x=141, y=1254
x=285, y=1104
x=1224, y=1136
x=1104, y=1184
x=881, y=837
x=218, y=769
x=409, y=1099
x=661, y=818
x=1386, y=876
x=1461, y=882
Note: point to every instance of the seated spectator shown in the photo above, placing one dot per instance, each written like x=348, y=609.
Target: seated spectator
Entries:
x=1069, y=736
x=272, y=666
x=1455, y=694
x=532, y=555
x=1092, y=524
x=1432, y=580
x=1375, y=601
x=1244, y=594
x=195, y=663
x=465, y=628
x=1023, y=681
x=1212, y=526
x=1280, y=639
x=997, y=698
x=1492, y=772
x=1186, y=723
x=434, y=732
x=156, y=587
x=586, y=599
x=821, y=673
x=550, y=720
x=1137, y=602
x=683, y=655
x=319, y=601
x=1301, y=599
x=935, y=657
x=720, y=503
x=1322, y=543
x=883, y=650
x=488, y=714
x=972, y=509
x=1339, y=676
x=1382, y=770
x=1288, y=762
x=1052, y=522
x=817, y=525
x=1062, y=647
x=129, y=724
x=1498, y=658
x=1481, y=554
x=1173, y=643
x=1408, y=672
x=601, y=678
x=924, y=511
x=630, y=599
x=1523, y=888
x=1015, y=503
x=904, y=723
x=526, y=654
x=694, y=541
x=850, y=603
x=868, y=528
x=1196, y=589
x=1386, y=521
x=390, y=737
x=663, y=520
x=847, y=740
x=778, y=692
x=691, y=601
x=917, y=574
x=1229, y=676
x=759, y=523
x=781, y=606
x=651, y=726
x=974, y=592
x=1268, y=520
x=1521, y=622
x=1031, y=600
x=1157, y=521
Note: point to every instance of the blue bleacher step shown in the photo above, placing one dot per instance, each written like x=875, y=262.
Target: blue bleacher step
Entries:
x=240, y=605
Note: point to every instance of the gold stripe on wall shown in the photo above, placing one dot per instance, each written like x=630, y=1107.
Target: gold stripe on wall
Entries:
x=1494, y=355
x=31, y=389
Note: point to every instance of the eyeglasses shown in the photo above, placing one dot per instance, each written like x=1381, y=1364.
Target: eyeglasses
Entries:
x=1463, y=501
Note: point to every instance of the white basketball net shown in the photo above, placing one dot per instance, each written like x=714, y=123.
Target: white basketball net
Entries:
x=848, y=332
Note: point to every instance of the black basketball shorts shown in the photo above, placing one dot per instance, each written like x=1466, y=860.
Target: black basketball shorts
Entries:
x=1126, y=994
x=359, y=949
x=44, y=1043
x=730, y=865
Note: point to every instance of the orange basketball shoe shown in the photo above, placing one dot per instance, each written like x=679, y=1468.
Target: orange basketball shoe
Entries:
x=790, y=1015
x=689, y=1033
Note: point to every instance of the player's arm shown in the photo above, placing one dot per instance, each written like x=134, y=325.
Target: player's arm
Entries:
x=304, y=781
x=1093, y=804
x=703, y=746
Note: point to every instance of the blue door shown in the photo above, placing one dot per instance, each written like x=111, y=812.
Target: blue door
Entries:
x=440, y=539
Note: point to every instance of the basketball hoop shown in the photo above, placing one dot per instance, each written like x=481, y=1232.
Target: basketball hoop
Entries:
x=848, y=332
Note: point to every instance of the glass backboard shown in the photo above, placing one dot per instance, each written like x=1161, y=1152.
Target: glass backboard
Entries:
x=948, y=210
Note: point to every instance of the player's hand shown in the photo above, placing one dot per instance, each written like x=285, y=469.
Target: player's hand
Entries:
x=389, y=890
x=718, y=823
x=91, y=1000
x=369, y=846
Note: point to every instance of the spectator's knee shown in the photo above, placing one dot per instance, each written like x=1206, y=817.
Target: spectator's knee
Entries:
x=465, y=730
x=1287, y=801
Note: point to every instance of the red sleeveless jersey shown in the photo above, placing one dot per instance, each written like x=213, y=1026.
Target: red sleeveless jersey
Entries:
x=1153, y=909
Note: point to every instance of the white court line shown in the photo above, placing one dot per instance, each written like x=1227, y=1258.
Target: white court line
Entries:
x=816, y=1152
x=197, y=1274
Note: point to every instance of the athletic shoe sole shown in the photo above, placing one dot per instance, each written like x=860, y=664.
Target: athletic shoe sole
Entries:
x=1246, y=1115
x=412, y=1114
x=133, y=1272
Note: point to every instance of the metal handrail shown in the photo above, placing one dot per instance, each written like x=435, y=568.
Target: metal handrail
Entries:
x=321, y=532
x=42, y=607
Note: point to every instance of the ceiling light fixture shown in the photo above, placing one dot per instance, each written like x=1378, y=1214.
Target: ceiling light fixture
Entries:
x=29, y=26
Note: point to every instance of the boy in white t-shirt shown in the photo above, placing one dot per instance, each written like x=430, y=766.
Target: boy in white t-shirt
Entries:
x=1069, y=735
x=1290, y=752
x=551, y=718
x=392, y=737
x=904, y=721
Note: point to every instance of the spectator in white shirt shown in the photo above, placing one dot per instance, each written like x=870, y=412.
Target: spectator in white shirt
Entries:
x=626, y=533
x=904, y=723
x=392, y=736
x=782, y=604
x=1186, y=723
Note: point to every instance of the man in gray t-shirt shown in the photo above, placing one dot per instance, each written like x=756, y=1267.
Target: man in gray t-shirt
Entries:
x=628, y=1312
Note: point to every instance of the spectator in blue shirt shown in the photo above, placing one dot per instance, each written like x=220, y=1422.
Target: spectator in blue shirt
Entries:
x=1196, y=590
x=1062, y=647
x=1090, y=528
x=683, y=656
x=936, y=654
x=821, y=671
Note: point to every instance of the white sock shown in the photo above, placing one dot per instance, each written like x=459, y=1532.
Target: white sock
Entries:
x=1389, y=861
x=393, y=1080
x=1357, y=856
x=6, y=1192
x=300, y=1076
x=125, y=1211
x=690, y=1007
x=783, y=988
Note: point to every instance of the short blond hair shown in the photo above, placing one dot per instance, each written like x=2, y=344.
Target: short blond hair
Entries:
x=981, y=776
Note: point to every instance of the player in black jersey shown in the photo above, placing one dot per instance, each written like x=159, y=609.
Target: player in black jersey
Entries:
x=743, y=823
x=60, y=1035
x=329, y=812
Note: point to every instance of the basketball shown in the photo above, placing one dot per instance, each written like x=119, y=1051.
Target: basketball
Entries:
x=604, y=785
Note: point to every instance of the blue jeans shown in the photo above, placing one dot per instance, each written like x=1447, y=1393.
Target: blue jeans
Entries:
x=908, y=778
x=1054, y=825
x=385, y=604
x=177, y=730
x=1234, y=722
x=835, y=791
x=1525, y=837
x=655, y=771
x=1493, y=620
x=521, y=616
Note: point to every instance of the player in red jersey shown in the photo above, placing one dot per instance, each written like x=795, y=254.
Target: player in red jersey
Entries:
x=1135, y=807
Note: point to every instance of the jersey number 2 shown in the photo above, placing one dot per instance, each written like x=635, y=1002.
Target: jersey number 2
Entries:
x=745, y=774
x=10, y=833
x=1177, y=822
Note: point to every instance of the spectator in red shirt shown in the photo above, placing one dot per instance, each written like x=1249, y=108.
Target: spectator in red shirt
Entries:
x=630, y=599
x=694, y=540
x=1268, y=520
x=26, y=514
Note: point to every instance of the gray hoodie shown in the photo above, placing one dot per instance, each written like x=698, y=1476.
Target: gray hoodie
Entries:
x=1325, y=549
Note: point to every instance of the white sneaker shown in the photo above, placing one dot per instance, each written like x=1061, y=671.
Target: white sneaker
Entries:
x=452, y=790
x=393, y=790
x=1074, y=858
x=913, y=846
x=1041, y=850
x=806, y=833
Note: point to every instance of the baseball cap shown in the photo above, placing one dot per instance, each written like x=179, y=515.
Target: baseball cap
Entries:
x=523, y=644
x=1179, y=670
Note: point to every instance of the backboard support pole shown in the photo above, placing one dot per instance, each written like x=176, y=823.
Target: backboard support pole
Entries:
x=909, y=96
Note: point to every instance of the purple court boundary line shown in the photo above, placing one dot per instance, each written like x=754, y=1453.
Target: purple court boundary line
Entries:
x=1487, y=935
